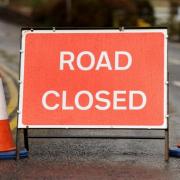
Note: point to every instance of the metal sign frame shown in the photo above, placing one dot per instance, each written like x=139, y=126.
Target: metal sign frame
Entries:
x=164, y=127
x=129, y=31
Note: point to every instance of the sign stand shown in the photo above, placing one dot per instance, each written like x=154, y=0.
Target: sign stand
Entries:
x=165, y=137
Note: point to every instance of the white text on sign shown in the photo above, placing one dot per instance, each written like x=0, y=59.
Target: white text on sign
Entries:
x=101, y=99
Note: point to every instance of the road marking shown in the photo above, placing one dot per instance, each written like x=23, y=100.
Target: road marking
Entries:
x=12, y=91
x=9, y=75
x=10, y=72
x=174, y=61
x=13, y=123
x=176, y=83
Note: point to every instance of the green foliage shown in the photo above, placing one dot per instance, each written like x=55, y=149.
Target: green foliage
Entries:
x=90, y=13
x=36, y=3
x=145, y=11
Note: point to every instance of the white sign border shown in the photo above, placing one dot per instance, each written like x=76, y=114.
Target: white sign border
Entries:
x=21, y=81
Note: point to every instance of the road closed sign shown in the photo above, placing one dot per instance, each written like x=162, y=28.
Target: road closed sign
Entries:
x=93, y=79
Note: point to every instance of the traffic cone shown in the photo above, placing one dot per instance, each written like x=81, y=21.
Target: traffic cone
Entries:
x=7, y=146
x=6, y=139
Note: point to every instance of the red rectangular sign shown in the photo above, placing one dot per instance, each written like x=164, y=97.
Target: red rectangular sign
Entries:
x=93, y=78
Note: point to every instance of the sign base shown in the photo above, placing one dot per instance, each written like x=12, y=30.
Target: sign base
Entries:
x=174, y=152
x=12, y=155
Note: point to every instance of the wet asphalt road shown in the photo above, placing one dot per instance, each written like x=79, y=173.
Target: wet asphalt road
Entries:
x=93, y=158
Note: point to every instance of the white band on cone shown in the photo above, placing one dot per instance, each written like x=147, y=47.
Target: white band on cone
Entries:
x=3, y=110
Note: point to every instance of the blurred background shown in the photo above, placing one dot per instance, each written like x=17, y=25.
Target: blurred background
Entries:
x=114, y=158
x=94, y=13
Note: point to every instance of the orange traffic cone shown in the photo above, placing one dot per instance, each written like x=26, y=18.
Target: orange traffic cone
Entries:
x=6, y=139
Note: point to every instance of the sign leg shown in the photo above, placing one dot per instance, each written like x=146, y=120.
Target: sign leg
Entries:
x=26, y=142
x=17, y=144
x=166, y=155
